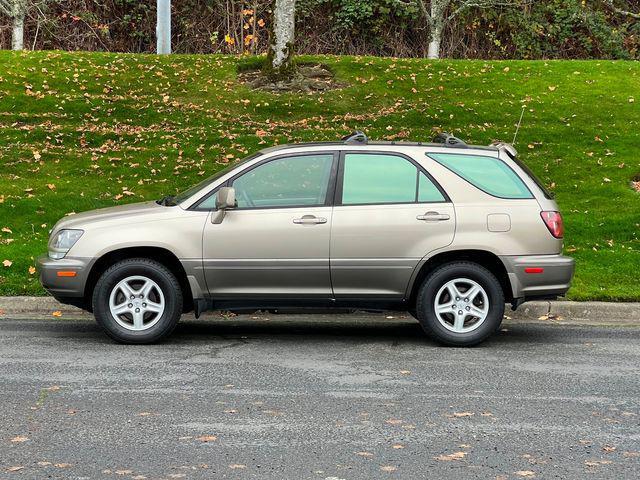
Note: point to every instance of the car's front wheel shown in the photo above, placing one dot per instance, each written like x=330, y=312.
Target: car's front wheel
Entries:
x=137, y=300
x=460, y=304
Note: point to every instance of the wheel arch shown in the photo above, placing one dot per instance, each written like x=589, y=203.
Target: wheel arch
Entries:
x=487, y=259
x=162, y=255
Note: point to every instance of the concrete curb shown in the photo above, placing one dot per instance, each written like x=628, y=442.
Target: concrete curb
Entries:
x=558, y=312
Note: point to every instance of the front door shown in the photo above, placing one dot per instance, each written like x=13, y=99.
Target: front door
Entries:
x=389, y=214
x=275, y=244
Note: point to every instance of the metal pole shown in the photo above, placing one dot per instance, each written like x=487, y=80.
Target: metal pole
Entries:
x=163, y=27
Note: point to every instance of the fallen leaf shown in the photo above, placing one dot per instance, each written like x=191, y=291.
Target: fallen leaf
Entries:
x=19, y=439
x=57, y=313
x=460, y=414
x=235, y=466
x=51, y=186
x=525, y=473
x=32, y=270
x=7, y=263
x=15, y=468
x=62, y=465
x=451, y=457
x=388, y=468
x=365, y=454
x=397, y=446
x=608, y=448
x=207, y=438
x=123, y=472
x=552, y=88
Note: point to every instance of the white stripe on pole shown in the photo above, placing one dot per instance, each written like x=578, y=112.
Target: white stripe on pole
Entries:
x=163, y=27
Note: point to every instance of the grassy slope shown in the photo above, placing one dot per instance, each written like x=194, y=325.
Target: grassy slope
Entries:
x=93, y=126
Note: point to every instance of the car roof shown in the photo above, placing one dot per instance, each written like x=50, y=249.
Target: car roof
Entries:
x=342, y=145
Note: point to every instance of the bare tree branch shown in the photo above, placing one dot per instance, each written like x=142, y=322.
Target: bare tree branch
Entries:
x=626, y=13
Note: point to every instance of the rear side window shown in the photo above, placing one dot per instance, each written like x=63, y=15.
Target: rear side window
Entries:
x=372, y=178
x=489, y=174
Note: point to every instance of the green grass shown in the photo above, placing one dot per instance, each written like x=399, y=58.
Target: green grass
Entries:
x=98, y=125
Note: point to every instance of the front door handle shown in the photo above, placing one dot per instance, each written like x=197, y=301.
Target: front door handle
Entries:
x=433, y=217
x=309, y=220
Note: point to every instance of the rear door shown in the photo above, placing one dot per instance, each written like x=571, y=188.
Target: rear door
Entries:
x=389, y=213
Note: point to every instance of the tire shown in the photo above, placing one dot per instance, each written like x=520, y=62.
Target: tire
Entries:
x=448, y=326
x=160, y=306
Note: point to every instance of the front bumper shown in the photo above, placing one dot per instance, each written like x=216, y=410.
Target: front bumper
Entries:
x=63, y=286
x=539, y=276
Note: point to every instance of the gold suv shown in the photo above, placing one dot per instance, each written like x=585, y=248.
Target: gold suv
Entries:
x=444, y=230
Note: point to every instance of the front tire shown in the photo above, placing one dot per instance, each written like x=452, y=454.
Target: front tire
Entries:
x=137, y=301
x=460, y=304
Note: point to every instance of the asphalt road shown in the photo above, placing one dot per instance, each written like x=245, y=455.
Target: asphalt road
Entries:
x=303, y=397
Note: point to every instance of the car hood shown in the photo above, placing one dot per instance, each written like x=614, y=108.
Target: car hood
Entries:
x=113, y=215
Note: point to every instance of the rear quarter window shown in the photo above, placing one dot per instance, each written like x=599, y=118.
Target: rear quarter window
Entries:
x=489, y=174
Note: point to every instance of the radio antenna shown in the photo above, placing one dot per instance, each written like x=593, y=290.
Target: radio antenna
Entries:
x=518, y=126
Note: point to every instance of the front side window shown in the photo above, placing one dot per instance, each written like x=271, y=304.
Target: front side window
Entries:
x=370, y=178
x=300, y=180
x=489, y=174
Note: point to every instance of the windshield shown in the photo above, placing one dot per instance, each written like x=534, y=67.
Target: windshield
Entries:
x=189, y=192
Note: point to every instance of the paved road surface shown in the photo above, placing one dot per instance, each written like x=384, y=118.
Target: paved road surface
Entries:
x=303, y=397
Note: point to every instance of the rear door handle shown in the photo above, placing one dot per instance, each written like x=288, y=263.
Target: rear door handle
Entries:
x=309, y=220
x=433, y=217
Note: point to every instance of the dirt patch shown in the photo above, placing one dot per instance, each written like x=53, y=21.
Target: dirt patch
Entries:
x=308, y=79
x=635, y=182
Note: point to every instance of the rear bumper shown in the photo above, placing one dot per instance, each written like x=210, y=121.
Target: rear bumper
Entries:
x=539, y=276
x=63, y=287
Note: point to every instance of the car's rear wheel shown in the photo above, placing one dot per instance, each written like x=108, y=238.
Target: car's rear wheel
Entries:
x=137, y=300
x=460, y=304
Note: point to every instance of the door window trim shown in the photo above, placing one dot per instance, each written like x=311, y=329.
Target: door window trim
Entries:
x=337, y=199
x=328, y=196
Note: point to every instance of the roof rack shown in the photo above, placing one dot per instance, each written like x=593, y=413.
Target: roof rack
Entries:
x=507, y=148
x=449, y=140
x=355, y=137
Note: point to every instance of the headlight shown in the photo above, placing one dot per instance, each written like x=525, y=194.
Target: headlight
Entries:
x=62, y=243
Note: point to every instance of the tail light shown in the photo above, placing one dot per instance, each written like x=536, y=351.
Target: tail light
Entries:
x=553, y=221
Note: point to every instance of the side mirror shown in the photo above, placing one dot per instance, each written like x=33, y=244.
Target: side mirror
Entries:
x=225, y=199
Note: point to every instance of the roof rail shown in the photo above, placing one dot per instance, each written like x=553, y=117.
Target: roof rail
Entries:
x=355, y=137
x=449, y=140
x=507, y=148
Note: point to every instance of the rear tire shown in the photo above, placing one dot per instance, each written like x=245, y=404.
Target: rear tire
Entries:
x=460, y=304
x=137, y=301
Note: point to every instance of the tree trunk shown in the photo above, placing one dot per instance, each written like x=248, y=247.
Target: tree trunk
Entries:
x=280, y=53
x=163, y=27
x=17, y=37
x=437, y=24
x=434, y=43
